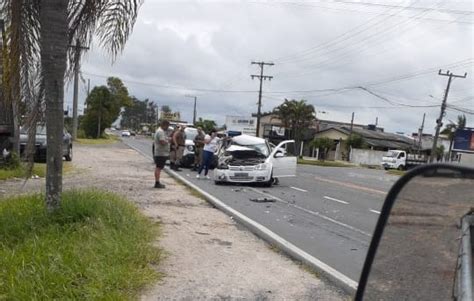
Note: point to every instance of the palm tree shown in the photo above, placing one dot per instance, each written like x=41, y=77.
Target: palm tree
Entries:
x=450, y=130
x=54, y=46
x=42, y=30
x=296, y=116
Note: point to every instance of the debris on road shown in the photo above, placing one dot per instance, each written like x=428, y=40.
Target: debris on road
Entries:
x=263, y=200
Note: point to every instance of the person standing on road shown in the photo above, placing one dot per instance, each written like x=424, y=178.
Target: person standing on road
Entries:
x=210, y=147
x=162, y=150
x=179, y=141
x=198, y=144
x=172, y=148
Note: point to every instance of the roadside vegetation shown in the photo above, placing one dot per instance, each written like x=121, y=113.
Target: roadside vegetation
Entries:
x=325, y=163
x=396, y=172
x=96, y=246
x=106, y=139
x=39, y=169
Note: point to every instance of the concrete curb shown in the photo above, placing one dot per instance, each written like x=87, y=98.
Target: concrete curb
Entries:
x=334, y=276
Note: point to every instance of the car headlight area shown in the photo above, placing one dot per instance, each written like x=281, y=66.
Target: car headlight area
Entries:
x=236, y=174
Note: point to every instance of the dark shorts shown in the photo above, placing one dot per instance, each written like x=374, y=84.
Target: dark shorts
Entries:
x=160, y=161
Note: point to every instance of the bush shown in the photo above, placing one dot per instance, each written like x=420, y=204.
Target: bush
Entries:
x=12, y=161
x=97, y=246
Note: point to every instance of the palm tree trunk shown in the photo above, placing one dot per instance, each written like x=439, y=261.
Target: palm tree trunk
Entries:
x=14, y=101
x=54, y=28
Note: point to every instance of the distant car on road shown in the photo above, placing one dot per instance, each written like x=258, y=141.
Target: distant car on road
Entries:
x=40, y=143
x=126, y=133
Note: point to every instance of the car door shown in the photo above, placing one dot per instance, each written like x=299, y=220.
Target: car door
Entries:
x=283, y=159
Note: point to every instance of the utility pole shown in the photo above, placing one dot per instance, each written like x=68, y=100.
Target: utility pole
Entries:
x=194, y=113
x=420, y=133
x=439, y=121
x=261, y=77
x=352, y=123
x=77, y=56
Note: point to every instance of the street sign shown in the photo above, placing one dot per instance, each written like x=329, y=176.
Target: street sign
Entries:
x=464, y=140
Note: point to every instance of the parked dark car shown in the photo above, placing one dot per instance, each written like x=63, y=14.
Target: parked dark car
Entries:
x=40, y=143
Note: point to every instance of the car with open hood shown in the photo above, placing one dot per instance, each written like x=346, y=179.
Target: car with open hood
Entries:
x=248, y=159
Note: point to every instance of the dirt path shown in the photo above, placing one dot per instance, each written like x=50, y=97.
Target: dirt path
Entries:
x=209, y=256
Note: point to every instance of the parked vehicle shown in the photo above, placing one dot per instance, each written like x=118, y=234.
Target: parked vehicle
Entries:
x=40, y=143
x=248, y=159
x=401, y=160
x=126, y=133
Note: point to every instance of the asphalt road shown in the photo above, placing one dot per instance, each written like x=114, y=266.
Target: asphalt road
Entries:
x=328, y=212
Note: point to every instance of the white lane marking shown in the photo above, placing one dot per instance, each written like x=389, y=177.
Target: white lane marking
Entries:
x=374, y=211
x=299, y=189
x=313, y=213
x=335, y=200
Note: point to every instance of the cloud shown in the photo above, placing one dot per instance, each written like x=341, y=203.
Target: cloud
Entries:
x=210, y=44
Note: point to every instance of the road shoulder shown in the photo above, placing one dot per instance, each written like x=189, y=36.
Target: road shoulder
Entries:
x=209, y=256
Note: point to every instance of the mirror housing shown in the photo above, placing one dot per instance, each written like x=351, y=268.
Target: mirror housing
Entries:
x=416, y=247
x=279, y=155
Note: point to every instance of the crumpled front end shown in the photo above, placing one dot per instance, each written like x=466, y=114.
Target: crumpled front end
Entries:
x=239, y=165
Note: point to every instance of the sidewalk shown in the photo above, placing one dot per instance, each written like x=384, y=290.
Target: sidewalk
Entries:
x=209, y=256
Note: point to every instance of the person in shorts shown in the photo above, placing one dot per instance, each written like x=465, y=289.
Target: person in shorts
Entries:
x=162, y=150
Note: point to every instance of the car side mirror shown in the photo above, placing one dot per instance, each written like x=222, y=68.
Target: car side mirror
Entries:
x=279, y=155
x=422, y=245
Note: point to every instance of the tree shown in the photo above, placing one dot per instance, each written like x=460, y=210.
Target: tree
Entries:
x=206, y=124
x=296, y=116
x=43, y=33
x=355, y=141
x=324, y=144
x=103, y=108
x=450, y=130
x=54, y=21
x=439, y=152
x=165, y=109
x=139, y=112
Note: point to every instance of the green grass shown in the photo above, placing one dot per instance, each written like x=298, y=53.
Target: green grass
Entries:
x=108, y=139
x=396, y=172
x=39, y=169
x=324, y=163
x=96, y=247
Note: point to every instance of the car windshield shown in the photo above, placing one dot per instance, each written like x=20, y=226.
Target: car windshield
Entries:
x=392, y=154
x=40, y=130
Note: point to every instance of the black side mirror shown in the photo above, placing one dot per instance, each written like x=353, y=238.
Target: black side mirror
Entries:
x=423, y=241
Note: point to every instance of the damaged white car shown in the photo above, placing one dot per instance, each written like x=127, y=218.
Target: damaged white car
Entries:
x=248, y=159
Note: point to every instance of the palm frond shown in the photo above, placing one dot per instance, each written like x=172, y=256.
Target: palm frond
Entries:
x=111, y=21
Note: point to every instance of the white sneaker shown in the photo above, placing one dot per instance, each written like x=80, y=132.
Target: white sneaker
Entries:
x=208, y=177
x=198, y=176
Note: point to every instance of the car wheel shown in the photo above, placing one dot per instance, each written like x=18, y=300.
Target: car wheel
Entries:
x=401, y=167
x=69, y=154
x=218, y=182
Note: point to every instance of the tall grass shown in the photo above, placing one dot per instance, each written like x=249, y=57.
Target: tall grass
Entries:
x=97, y=246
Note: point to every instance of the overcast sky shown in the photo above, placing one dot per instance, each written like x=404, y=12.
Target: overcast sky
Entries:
x=197, y=46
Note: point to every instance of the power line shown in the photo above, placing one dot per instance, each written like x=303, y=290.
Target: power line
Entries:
x=345, y=51
x=339, y=39
x=175, y=86
x=463, y=13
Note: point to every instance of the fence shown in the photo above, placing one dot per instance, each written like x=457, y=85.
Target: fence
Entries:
x=366, y=156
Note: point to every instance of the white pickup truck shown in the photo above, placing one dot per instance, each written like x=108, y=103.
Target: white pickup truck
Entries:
x=401, y=160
